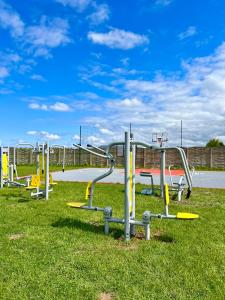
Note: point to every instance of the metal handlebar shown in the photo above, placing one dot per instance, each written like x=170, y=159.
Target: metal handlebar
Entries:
x=106, y=156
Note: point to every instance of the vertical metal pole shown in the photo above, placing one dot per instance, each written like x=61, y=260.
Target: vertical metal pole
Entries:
x=181, y=133
x=127, y=188
x=147, y=232
x=43, y=159
x=79, y=148
x=37, y=159
x=46, y=170
x=11, y=177
x=1, y=171
x=64, y=158
x=14, y=159
x=162, y=171
x=133, y=188
x=37, y=150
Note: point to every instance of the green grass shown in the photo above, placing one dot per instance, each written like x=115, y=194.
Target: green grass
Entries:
x=50, y=251
x=24, y=170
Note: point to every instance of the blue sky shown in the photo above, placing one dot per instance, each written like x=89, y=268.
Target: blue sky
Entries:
x=104, y=64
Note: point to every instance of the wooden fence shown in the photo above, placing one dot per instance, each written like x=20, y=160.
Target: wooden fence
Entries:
x=145, y=158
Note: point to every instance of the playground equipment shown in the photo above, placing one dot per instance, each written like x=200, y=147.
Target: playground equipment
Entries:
x=180, y=185
x=148, y=191
x=4, y=166
x=42, y=176
x=33, y=183
x=129, y=220
x=90, y=186
x=185, y=181
x=7, y=170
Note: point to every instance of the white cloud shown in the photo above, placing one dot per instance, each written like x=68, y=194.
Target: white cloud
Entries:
x=197, y=97
x=37, y=106
x=44, y=135
x=9, y=19
x=95, y=140
x=48, y=34
x=191, y=30
x=119, y=39
x=37, y=77
x=126, y=104
x=106, y=131
x=60, y=106
x=76, y=137
x=57, y=106
x=37, y=39
x=4, y=72
x=100, y=15
x=79, y=5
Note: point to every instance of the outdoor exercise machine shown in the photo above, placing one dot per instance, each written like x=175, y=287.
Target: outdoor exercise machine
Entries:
x=180, y=185
x=41, y=183
x=148, y=191
x=91, y=184
x=185, y=181
x=129, y=219
x=7, y=169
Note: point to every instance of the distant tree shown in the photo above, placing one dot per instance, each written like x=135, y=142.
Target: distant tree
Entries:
x=214, y=143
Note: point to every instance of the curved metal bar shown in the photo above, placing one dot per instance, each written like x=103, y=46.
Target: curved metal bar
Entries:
x=14, y=158
x=92, y=152
x=113, y=144
x=171, y=179
x=26, y=144
x=112, y=166
x=96, y=148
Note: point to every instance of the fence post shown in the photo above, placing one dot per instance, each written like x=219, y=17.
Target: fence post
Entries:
x=211, y=157
x=31, y=157
x=90, y=159
x=74, y=156
x=144, y=158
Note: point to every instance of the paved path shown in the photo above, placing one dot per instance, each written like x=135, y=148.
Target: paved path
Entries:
x=207, y=179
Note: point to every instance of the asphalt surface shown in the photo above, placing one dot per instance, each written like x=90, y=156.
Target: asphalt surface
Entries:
x=206, y=179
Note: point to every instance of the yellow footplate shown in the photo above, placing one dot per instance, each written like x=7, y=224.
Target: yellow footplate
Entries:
x=76, y=204
x=186, y=216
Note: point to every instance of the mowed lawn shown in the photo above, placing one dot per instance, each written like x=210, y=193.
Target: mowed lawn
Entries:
x=50, y=251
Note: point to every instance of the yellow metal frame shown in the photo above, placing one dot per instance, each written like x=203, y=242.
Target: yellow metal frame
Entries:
x=35, y=182
x=88, y=191
x=5, y=166
x=167, y=195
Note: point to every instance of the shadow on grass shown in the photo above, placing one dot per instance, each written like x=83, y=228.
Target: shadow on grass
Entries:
x=163, y=237
x=91, y=227
x=18, y=198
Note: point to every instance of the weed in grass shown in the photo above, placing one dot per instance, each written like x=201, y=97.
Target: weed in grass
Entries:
x=16, y=236
x=106, y=296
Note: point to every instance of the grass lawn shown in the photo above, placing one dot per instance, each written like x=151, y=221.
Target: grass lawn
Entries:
x=24, y=170
x=50, y=251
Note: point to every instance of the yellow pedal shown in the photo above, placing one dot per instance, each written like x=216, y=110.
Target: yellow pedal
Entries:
x=76, y=204
x=186, y=216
